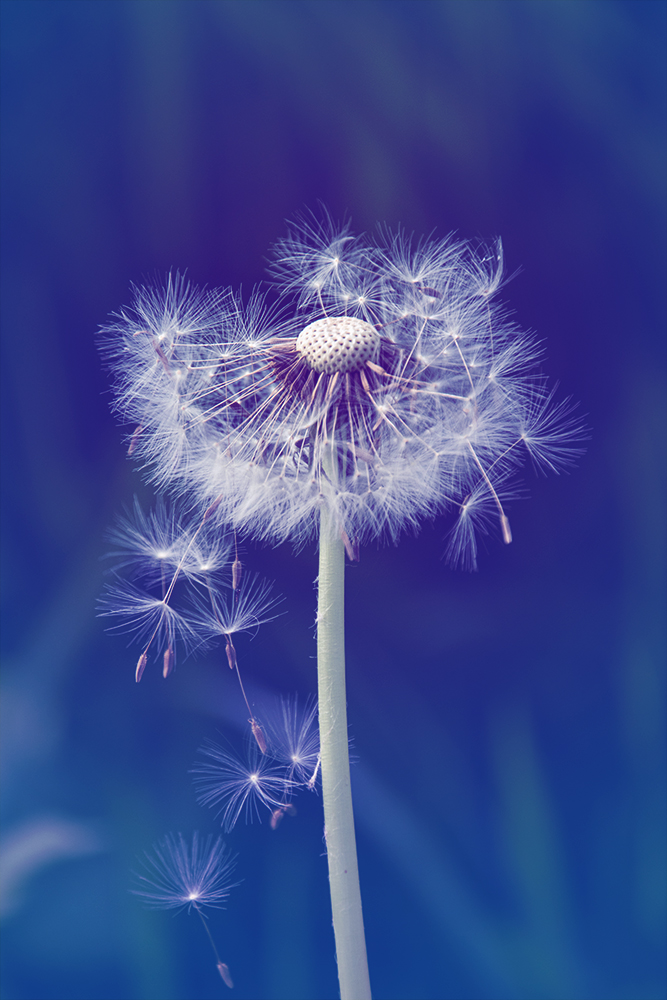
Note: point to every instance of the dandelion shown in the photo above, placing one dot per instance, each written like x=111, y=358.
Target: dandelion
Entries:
x=382, y=385
x=231, y=785
x=178, y=875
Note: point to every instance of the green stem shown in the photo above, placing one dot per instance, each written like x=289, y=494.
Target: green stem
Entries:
x=334, y=748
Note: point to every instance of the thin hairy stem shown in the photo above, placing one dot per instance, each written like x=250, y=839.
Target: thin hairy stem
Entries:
x=336, y=792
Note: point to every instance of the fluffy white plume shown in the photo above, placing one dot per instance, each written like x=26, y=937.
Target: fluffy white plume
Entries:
x=410, y=392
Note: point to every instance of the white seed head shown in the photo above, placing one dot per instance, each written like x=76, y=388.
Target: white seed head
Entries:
x=440, y=402
x=338, y=344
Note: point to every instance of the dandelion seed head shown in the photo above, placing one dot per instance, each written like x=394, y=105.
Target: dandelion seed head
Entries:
x=384, y=382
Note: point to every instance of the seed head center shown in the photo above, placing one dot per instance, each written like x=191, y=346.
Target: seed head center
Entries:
x=338, y=344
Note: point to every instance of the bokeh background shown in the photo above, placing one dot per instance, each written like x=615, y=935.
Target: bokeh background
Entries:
x=508, y=725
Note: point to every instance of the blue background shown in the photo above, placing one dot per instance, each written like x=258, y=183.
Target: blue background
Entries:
x=508, y=725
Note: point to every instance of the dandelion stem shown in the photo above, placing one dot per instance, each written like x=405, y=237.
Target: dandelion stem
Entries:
x=336, y=792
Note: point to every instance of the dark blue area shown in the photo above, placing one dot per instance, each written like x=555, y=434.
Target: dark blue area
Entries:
x=508, y=725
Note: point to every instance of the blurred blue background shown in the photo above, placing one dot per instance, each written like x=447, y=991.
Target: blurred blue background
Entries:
x=508, y=725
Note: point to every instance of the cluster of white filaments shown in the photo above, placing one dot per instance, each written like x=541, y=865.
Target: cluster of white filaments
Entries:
x=384, y=384
x=265, y=779
x=178, y=873
x=182, y=588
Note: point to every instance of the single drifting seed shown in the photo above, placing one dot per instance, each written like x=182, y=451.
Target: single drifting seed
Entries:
x=338, y=344
x=233, y=662
x=178, y=875
x=230, y=784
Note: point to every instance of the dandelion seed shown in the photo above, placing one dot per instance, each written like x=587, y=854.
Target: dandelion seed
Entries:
x=295, y=740
x=231, y=785
x=250, y=606
x=150, y=617
x=178, y=876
